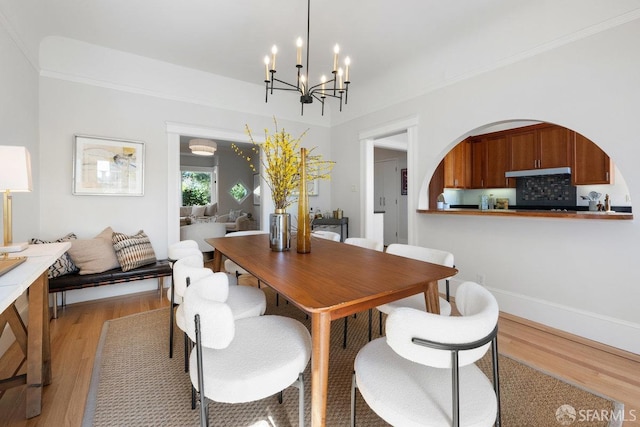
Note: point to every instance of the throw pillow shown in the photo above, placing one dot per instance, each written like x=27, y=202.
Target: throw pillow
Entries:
x=94, y=255
x=133, y=251
x=211, y=209
x=234, y=214
x=198, y=211
x=64, y=264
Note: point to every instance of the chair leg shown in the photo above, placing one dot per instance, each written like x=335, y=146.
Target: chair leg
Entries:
x=301, y=400
x=370, y=322
x=380, y=323
x=187, y=347
x=353, y=400
x=280, y=397
x=447, y=287
x=193, y=397
x=277, y=299
x=496, y=376
x=171, y=317
x=344, y=339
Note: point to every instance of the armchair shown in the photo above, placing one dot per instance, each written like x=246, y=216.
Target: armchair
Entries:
x=237, y=224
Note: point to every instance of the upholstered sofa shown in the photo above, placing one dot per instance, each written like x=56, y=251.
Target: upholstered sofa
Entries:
x=192, y=214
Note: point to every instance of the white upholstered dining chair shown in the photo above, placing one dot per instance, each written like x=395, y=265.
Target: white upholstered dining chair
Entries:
x=423, y=373
x=435, y=256
x=244, y=301
x=366, y=243
x=241, y=360
x=176, y=251
x=230, y=266
x=328, y=235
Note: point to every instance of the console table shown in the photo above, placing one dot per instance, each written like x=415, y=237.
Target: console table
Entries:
x=34, y=341
x=342, y=222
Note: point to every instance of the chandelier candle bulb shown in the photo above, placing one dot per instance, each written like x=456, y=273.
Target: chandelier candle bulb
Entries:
x=347, y=62
x=266, y=68
x=340, y=73
x=336, y=51
x=323, y=80
x=274, y=50
x=299, y=52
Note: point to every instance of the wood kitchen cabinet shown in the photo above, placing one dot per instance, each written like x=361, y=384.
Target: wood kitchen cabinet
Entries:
x=489, y=162
x=591, y=164
x=457, y=168
x=540, y=147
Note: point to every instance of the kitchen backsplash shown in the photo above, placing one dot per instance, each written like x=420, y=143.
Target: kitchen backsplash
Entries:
x=547, y=190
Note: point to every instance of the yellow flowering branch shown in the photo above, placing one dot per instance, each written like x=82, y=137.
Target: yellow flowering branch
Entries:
x=281, y=163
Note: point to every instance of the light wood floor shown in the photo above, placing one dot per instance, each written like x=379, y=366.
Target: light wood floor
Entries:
x=75, y=335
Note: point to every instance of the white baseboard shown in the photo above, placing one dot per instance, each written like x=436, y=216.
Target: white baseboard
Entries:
x=604, y=329
x=607, y=330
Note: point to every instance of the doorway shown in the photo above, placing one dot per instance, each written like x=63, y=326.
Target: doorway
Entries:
x=383, y=137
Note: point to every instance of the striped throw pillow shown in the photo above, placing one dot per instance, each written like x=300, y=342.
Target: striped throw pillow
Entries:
x=133, y=251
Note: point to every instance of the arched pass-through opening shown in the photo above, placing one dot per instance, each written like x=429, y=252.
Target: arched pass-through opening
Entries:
x=527, y=165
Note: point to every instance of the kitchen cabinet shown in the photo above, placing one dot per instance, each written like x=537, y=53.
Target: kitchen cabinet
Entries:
x=591, y=164
x=540, y=147
x=489, y=162
x=457, y=167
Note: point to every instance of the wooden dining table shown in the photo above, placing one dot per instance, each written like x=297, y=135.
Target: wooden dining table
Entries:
x=333, y=281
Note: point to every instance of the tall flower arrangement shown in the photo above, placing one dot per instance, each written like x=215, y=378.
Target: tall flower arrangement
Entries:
x=281, y=164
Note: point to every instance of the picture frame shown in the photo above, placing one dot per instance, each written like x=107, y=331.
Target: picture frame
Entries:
x=107, y=167
x=256, y=189
x=403, y=182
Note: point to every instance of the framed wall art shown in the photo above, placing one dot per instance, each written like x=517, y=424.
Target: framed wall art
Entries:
x=107, y=166
x=403, y=182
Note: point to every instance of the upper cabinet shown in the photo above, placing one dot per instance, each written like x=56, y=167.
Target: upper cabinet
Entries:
x=489, y=162
x=457, y=167
x=591, y=164
x=481, y=161
x=540, y=147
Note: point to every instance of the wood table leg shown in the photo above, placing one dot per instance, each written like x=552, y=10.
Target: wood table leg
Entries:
x=432, y=298
x=217, y=261
x=320, y=334
x=38, y=348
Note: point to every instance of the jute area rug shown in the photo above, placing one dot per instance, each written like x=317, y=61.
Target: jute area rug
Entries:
x=134, y=383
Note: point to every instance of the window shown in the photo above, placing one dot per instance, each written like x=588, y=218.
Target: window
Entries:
x=239, y=192
x=196, y=187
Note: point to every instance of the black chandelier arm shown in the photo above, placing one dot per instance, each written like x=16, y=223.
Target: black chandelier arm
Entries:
x=293, y=87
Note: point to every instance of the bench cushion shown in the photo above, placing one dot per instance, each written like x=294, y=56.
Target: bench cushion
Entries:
x=77, y=281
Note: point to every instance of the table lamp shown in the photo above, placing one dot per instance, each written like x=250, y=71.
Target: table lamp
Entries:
x=15, y=176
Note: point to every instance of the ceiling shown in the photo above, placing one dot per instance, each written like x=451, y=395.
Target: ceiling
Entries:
x=231, y=38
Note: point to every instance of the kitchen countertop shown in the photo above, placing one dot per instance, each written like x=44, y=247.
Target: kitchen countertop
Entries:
x=532, y=213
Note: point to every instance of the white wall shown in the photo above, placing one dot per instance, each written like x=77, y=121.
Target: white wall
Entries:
x=19, y=126
x=578, y=276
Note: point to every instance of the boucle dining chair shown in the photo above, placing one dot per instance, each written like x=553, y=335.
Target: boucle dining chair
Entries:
x=175, y=252
x=366, y=243
x=328, y=235
x=244, y=301
x=435, y=256
x=241, y=360
x=423, y=373
x=230, y=266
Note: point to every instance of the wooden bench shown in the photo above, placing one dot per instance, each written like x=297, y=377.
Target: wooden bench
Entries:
x=68, y=282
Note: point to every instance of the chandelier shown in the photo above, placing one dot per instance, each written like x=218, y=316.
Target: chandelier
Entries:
x=337, y=87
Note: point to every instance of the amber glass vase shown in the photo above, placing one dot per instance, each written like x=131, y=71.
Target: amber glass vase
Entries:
x=304, y=223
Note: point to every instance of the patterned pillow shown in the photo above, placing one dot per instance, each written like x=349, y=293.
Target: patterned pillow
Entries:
x=64, y=264
x=234, y=214
x=133, y=251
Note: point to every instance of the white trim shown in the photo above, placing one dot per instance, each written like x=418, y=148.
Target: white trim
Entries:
x=367, y=144
x=19, y=43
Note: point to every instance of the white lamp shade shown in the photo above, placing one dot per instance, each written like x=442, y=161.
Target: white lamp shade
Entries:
x=15, y=169
x=203, y=147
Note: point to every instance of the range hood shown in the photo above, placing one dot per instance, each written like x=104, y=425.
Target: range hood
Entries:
x=538, y=172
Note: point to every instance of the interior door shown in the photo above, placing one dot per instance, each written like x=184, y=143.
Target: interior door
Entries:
x=386, y=192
